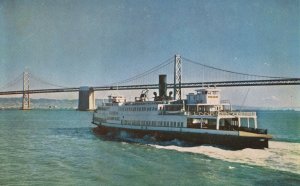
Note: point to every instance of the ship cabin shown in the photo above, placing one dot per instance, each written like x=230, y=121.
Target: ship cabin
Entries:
x=206, y=110
x=202, y=110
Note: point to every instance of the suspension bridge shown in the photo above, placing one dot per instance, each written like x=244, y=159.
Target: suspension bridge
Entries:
x=196, y=74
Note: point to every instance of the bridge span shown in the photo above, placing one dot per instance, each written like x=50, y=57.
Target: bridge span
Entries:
x=272, y=82
x=217, y=78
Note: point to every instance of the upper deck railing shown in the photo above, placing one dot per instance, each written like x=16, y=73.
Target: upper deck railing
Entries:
x=237, y=113
x=215, y=113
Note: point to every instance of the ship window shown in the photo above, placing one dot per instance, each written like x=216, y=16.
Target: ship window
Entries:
x=153, y=123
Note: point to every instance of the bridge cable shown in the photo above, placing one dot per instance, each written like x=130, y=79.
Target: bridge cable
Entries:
x=156, y=68
x=13, y=82
x=232, y=72
x=46, y=82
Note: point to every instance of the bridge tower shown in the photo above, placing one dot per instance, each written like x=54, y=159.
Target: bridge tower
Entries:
x=86, y=101
x=177, y=77
x=26, y=99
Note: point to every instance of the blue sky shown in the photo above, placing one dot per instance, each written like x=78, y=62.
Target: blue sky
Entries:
x=76, y=43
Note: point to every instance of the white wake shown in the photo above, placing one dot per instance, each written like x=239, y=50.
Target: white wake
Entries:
x=280, y=155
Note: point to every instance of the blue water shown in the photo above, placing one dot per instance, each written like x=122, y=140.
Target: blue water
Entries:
x=58, y=147
x=283, y=125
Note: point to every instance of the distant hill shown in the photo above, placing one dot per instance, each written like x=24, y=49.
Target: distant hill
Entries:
x=15, y=103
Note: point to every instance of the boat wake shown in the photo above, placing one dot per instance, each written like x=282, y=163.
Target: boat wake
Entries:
x=282, y=156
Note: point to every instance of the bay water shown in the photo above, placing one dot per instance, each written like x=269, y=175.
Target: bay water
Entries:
x=59, y=147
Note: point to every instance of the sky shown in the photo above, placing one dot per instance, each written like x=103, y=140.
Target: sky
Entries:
x=94, y=42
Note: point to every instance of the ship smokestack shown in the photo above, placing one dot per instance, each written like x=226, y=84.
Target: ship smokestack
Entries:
x=162, y=86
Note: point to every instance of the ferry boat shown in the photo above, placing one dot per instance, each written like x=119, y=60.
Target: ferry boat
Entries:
x=201, y=118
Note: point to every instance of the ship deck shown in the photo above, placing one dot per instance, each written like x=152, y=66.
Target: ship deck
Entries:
x=250, y=134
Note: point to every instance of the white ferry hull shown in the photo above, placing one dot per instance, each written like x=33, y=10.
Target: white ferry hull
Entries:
x=232, y=141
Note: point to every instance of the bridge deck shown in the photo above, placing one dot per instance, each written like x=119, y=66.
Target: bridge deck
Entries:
x=272, y=82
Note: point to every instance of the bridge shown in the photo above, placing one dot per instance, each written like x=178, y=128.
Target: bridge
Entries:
x=204, y=76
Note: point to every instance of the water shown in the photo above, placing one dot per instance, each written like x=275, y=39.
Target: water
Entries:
x=58, y=147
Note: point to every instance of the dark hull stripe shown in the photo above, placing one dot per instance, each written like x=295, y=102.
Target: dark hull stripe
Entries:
x=233, y=142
